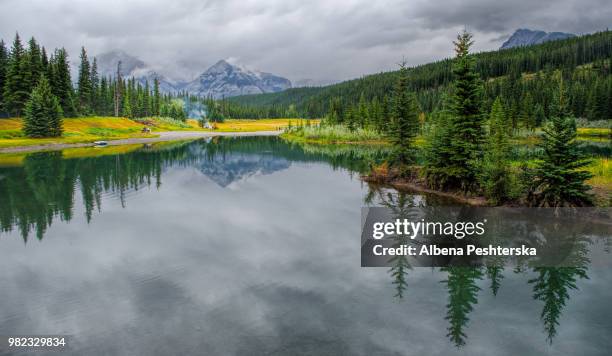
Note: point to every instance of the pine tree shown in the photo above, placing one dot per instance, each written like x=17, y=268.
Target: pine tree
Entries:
x=467, y=132
x=156, y=97
x=362, y=111
x=35, y=66
x=453, y=163
x=44, y=61
x=61, y=83
x=84, y=84
x=3, y=67
x=349, y=119
x=405, y=123
x=127, y=109
x=43, y=114
x=559, y=180
x=538, y=115
x=94, y=101
x=16, y=87
x=495, y=175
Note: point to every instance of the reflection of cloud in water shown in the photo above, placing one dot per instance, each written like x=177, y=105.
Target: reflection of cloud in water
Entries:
x=270, y=268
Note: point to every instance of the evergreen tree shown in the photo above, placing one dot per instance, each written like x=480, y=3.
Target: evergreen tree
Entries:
x=3, y=67
x=94, y=101
x=466, y=125
x=35, y=65
x=43, y=114
x=454, y=162
x=495, y=174
x=538, y=115
x=156, y=97
x=84, y=84
x=16, y=87
x=405, y=123
x=61, y=83
x=559, y=180
x=362, y=111
x=349, y=119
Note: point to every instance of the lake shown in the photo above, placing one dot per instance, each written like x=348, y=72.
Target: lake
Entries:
x=251, y=246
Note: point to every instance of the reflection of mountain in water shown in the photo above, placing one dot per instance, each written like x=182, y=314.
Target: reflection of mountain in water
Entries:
x=42, y=188
x=228, y=168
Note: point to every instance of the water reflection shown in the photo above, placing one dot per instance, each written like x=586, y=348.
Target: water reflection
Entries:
x=43, y=188
x=260, y=257
x=550, y=286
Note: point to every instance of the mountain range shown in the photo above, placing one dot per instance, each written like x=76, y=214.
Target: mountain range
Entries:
x=223, y=79
x=227, y=79
x=527, y=37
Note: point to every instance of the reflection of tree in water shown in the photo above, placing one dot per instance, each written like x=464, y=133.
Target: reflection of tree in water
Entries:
x=556, y=245
x=43, y=188
x=553, y=284
x=462, y=295
x=495, y=275
x=401, y=205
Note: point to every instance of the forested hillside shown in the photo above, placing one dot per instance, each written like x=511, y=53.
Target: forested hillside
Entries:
x=526, y=78
x=23, y=67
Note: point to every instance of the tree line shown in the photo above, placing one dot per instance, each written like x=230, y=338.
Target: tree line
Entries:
x=525, y=78
x=33, y=83
x=466, y=144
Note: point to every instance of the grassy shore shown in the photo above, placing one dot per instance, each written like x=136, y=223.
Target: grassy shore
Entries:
x=333, y=134
x=89, y=129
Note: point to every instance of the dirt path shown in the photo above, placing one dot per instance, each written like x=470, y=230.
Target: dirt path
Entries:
x=163, y=136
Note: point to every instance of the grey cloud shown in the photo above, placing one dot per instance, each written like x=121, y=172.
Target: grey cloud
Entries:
x=321, y=40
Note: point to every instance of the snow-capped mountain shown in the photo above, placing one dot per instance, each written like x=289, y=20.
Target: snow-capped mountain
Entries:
x=527, y=37
x=221, y=80
x=224, y=80
x=132, y=67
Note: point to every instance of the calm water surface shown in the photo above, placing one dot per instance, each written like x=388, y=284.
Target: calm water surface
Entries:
x=251, y=246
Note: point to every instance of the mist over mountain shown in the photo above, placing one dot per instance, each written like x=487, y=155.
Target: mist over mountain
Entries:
x=527, y=37
x=223, y=79
x=132, y=67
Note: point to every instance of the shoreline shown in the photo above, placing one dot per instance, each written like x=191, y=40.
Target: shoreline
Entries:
x=162, y=136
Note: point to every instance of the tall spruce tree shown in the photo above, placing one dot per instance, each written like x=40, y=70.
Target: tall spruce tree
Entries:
x=43, y=114
x=94, y=79
x=466, y=125
x=405, y=123
x=35, y=65
x=61, y=83
x=84, y=83
x=156, y=97
x=16, y=86
x=455, y=143
x=3, y=67
x=495, y=175
x=559, y=180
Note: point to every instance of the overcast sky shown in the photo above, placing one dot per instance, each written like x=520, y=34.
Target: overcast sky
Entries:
x=323, y=40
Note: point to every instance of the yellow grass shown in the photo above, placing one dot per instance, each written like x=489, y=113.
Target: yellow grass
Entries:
x=11, y=159
x=601, y=168
x=594, y=132
x=89, y=129
x=235, y=125
x=76, y=130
